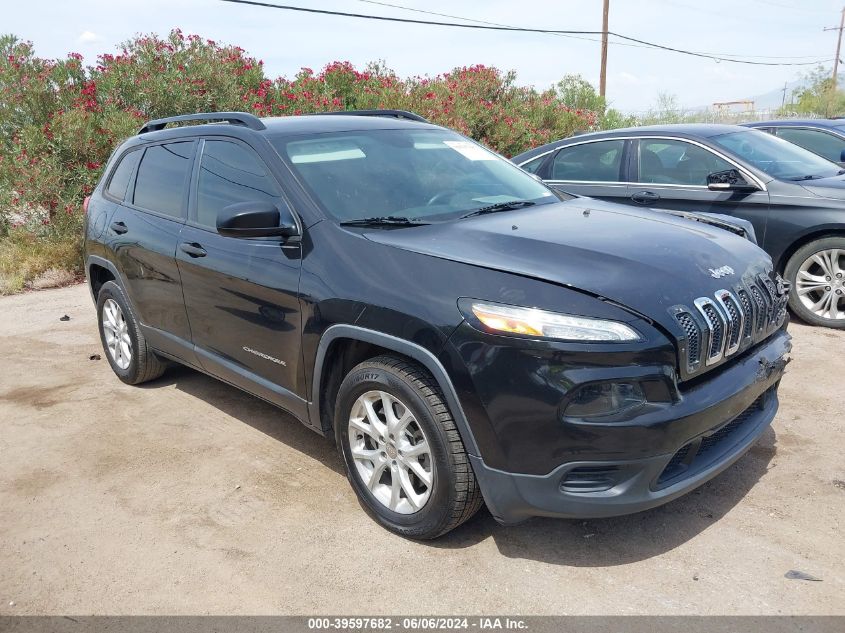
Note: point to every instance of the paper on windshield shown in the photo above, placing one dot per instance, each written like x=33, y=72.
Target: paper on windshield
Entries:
x=470, y=150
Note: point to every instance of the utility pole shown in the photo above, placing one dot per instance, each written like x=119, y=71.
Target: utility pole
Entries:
x=603, y=74
x=838, y=46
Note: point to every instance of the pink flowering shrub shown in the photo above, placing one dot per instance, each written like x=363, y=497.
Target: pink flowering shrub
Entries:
x=60, y=120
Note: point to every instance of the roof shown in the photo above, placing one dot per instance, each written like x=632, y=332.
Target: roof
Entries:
x=315, y=123
x=297, y=124
x=688, y=130
x=702, y=130
x=824, y=123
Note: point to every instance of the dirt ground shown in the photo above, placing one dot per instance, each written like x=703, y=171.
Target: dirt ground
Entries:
x=188, y=496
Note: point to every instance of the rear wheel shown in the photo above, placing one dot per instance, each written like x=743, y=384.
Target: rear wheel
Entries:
x=817, y=274
x=404, y=457
x=123, y=342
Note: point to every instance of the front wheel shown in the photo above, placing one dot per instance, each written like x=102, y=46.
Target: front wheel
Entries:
x=403, y=455
x=817, y=274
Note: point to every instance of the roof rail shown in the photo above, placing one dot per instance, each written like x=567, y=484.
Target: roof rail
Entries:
x=235, y=118
x=396, y=114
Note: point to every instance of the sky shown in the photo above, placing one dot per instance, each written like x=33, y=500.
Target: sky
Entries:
x=287, y=41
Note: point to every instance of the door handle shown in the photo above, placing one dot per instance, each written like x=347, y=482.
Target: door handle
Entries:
x=119, y=227
x=645, y=197
x=193, y=249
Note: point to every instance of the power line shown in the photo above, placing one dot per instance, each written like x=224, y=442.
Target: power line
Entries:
x=719, y=58
x=458, y=17
x=790, y=6
x=486, y=27
x=802, y=9
x=586, y=39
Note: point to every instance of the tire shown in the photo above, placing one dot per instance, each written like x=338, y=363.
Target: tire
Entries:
x=429, y=510
x=818, y=268
x=142, y=364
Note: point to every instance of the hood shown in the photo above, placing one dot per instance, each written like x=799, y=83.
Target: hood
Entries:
x=833, y=187
x=646, y=260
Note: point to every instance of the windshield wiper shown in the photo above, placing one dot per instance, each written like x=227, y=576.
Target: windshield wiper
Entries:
x=807, y=177
x=500, y=206
x=387, y=220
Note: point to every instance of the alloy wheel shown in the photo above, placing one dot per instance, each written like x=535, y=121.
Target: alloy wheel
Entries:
x=392, y=456
x=116, y=330
x=820, y=283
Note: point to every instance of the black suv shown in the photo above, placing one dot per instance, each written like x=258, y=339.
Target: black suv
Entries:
x=466, y=334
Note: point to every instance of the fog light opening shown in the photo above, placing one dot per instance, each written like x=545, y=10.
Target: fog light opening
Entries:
x=606, y=399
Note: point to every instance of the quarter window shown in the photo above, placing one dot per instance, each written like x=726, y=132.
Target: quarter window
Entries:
x=160, y=184
x=822, y=143
x=533, y=165
x=122, y=173
x=597, y=162
x=669, y=162
x=230, y=173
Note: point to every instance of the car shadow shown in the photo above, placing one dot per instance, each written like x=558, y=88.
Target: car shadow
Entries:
x=260, y=415
x=575, y=543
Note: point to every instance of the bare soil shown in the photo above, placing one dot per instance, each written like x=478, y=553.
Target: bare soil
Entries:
x=188, y=496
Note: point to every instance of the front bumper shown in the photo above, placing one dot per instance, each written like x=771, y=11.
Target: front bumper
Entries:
x=715, y=424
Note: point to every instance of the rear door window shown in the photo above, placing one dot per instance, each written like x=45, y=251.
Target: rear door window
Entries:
x=599, y=161
x=162, y=177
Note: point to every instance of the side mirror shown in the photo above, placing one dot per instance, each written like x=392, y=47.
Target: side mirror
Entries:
x=842, y=156
x=729, y=180
x=258, y=218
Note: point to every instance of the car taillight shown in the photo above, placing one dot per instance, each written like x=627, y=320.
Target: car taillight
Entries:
x=85, y=204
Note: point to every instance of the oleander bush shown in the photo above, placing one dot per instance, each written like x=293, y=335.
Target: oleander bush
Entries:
x=61, y=119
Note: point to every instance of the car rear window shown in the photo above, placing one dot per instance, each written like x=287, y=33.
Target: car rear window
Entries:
x=122, y=173
x=160, y=184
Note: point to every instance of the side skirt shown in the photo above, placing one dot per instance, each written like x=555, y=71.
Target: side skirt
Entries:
x=226, y=371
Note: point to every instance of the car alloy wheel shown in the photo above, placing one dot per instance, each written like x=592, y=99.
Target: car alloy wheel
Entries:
x=391, y=453
x=116, y=330
x=820, y=283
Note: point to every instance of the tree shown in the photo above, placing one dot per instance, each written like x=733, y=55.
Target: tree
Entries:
x=818, y=96
x=578, y=94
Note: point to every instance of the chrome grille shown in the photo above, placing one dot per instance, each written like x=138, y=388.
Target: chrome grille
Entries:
x=716, y=325
x=760, y=322
x=733, y=310
x=733, y=319
x=693, y=337
x=748, y=313
x=769, y=285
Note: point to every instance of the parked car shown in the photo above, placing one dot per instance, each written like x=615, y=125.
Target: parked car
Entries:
x=464, y=333
x=825, y=137
x=795, y=199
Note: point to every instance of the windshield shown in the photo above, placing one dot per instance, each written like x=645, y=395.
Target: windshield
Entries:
x=775, y=156
x=419, y=174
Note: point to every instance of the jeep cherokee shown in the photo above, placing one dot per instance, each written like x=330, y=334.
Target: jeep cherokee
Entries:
x=466, y=334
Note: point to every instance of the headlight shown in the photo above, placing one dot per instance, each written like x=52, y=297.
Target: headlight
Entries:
x=605, y=399
x=564, y=327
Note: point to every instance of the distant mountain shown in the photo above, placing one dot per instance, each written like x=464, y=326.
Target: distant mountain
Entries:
x=773, y=99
